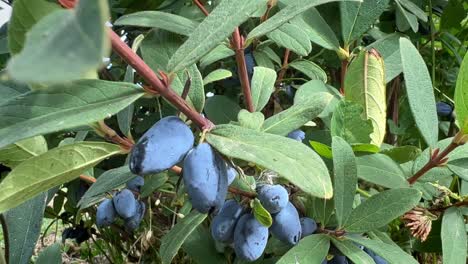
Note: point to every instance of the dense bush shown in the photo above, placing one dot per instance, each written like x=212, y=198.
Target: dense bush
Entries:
x=234, y=131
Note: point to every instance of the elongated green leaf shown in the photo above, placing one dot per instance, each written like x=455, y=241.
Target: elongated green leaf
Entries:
x=59, y=107
x=389, y=48
x=201, y=247
x=50, y=255
x=321, y=209
x=283, y=16
x=107, y=182
x=461, y=96
x=153, y=182
x=402, y=154
x=221, y=110
x=409, y=19
x=24, y=227
x=365, y=84
x=345, y=178
x=291, y=37
x=20, y=151
x=317, y=29
x=220, y=52
x=381, y=208
x=311, y=249
x=38, y=63
x=156, y=19
x=413, y=8
x=391, y=253
x=157, y=48
x=215, y=28
x=250, y=120
x=293, y=160
x=10, y=89
x=173, y=240
x=453, y=15
x=297, y=115
x=454, y=241
x=420, y=92
x=261, y=214
x=25, y=15
x=358, y=17
x=55, y=167
x=310, y=69
x=263, y=82
x=348, y=124
x=216, y=75
x=382, y=170
x=351, y=251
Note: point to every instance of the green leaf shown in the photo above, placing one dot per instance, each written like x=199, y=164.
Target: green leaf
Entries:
x=283, y=16
x=297, y=115
x=402, y=154
x=156, y=49
x=261, y=214
x=263, y=85
x=14, y=154
x=24, y=227
x=345, y=178
x=201, y=247
x=154, y=182
x=310, y=69
x=50, y=255
x=251, y=120
x=221, y=22
x=322, y=149
x=11, y=89
x=409, y=18
x=63, y=106
x=220, y=52
x=365, y=84
x=453, y=15
x=24, y=16
x=347, y=123
x=389, y=49
x=221, y=110
x=57, y=166
x=216, y=75
x=317, y=29
x=172, y=241
x=358, y=17
x=381, y=208
x=381, y=170
x=461, y=96
x=293, y=160
x=321, y=210
x=420, y=92
x=291, y=37
x=263, y=60
x=454, y=241
x=310, y=249
x=62, y=30
x=391, y=253
x=108, y=181
x=413, y=8
x=351, y=251
x=155, y=19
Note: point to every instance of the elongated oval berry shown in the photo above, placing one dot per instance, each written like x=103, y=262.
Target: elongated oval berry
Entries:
x=223, y=224
x=273, y=197
x=133, y=222
x=136, y=183
x=205, y=178
x=287, y=225
x=125, y=204
x=250, y=238
x=231, y=174
x=308, y=226
x=297, y=134
x=165, y=144
x=105, y=214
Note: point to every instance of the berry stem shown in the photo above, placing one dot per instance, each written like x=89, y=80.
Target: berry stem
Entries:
x=284, y=67
x=237, y=43
x=201, y=7
x=242, y=193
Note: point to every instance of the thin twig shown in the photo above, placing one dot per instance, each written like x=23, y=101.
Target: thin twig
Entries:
x=201, y=7
x=237, y=42
x=284, y=67
x=242, y=192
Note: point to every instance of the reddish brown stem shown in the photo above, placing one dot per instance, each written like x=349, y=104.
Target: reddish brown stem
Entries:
x=87, y=179
x=242, y=193
x=201, y=7
x=457, y=204
x=344, y=69
x=238, y=45
x=284, y=67
x=434, y=162
x=126, y=53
